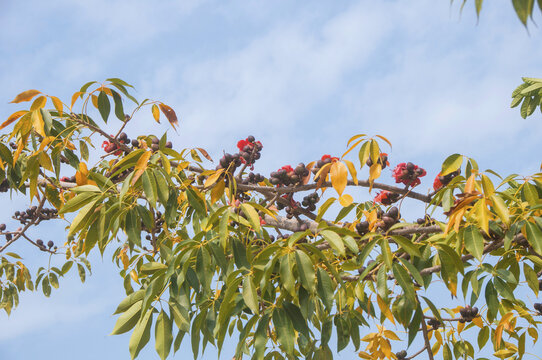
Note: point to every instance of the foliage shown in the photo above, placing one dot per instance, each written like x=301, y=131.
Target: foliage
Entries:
x=524, y=8
x=205, y=251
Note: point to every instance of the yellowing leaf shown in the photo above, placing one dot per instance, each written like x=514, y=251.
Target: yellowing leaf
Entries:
x=12, y=118
x=156, y=113
x=391, y=335
x=385, y=139
x=74, y=98
x=134, y=276
x=213, y=178
x=385, y=309
x=141, y=165
x=346, y=200
x=374, y=173
x=217, y=191
x=469, y=186
x=478, y=322
x=352, y=170
x=38, y=103
x=58, y=104
x=37, y=122
x=25, y=96
x=339, y=176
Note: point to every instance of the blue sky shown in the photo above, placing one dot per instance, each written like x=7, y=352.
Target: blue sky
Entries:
x=300, y=76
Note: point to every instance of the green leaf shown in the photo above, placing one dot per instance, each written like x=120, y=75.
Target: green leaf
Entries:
x=305, y=269
x=249, y=294
x=284, y=330
x=103, y=105
x=128, y=319
x=119, y=110
x=334, y=240
x=492, y=301
x=298, y=321
x=141, y=335
x=407, y=245
x=163, y=335
x=81, y=270
x=286, y=274
x=149, y=187
x=252, y=216
x=483, y=337
x=414, y=326
x=130, y=300
x=53, y=279
x=474, y=241
x=534, y=236
x=325, y=288
x=404, y=281
x=451, y=164
x=78, y=202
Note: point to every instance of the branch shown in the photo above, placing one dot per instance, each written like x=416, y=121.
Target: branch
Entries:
x=21, y=233
x=426, y=339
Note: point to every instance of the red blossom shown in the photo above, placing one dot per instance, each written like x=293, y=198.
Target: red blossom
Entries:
x=402, y=175
x=105, y=144
x=242, y=143
x=333, y=158
x=382, y=197
x=437, y=184
x=288, y=168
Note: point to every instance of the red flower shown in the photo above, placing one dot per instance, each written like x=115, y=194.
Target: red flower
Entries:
x=437, y=184
x=242, y=143
x=333, y=158
x=288, y=168
x=105, y=144
x=408, y=174
x=382, y=197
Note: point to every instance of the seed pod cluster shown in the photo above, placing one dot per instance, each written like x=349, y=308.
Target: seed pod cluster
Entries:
x=309, y=201
x=25, y=216
x=382, y=160
x=41, y=244
x=4, y=185
x=401, y=355
x=326, y=159
x=427, y=220
x=408, y=174
x=158, y=222
x=253, y=178
x=468, y=313
x=287, y=175
x=434, y=323
x=389, y=218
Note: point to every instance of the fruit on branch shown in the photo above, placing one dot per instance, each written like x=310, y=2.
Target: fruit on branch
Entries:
x=538, y=307
x=362, y=227
x=252, y=178
x=408, y=174
x=326, y=159
x=309, y=201
x=468, y=313
x=434, y=323
x=50, y=244
x=382, y=160
x=401, y=355
x=2, y=227
x=386, y=197
x=25, y=216
x=427, y=220
x=441, y=181
x=249, y=150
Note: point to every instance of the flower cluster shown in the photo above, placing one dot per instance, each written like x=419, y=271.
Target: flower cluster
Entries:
x=287, y=175
x=249, y=150
x=408, y=174
x=441, y=181
x=386, y=197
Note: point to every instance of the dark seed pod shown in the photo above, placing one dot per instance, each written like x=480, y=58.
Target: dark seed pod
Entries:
x=393, y=212
x=251, y=138
x=50, y=244
x=39, y=242
x=2, y=227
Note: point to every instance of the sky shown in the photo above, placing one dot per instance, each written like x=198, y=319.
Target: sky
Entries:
x=302, y=77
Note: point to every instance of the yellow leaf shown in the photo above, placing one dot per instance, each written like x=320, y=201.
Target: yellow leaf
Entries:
x=134, y=276
x=37, y=122
x=20, y=147
x=213, y=178
x=321, y=175
x=38, y=103
x=58, y=104
x=74, y=98
x=460, y=327
x=83, y=168
x=12, y=118
x=352, y=170
x=45, y=161
x=385, y=139
x=482, y=213
x=339, y=176
x=141, y=165
x=346, y=200
x=124, y=258
x=391, y=335
x=94, y=100
x=217, y=191
x=478, y=322
x=25, y=96
x=374, y=173
x=156, y=113
x=385, y=309
x=374, y=151
x=500, y=208
x=469, y=186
